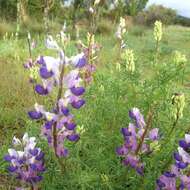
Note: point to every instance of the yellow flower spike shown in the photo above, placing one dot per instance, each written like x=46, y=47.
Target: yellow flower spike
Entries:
x=179, y=58
x=158, y=31
x=178, y=101
x=104, y=178
x=128, y=57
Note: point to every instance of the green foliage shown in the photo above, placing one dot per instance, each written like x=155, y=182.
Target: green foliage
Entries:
x=105, y=26
x=134, y=6
x=156, y=12
x=182, y=21
x=93, y=164
x=10, y=7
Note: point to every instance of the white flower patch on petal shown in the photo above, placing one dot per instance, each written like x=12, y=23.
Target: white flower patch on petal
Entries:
x=50, y=116
x=32, y=140
x=51, y=43
x=25, y=139
x=20, y=154
x=63, y=58
x=187, y=138
x=16, y=141
x=70, y=79
x=63, y=102
x=39, y=108
x=75, y=59
x=131, y=128
x=52, y=63
x=31, y=145
x=31, y=160
x=48, y=84
x=13, y=152
x=185, y=156
x=67, y=93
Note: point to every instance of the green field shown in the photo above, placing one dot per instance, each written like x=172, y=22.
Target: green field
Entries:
x=93, y=163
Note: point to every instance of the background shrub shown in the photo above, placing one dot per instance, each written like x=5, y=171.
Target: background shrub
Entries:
x=156, y=12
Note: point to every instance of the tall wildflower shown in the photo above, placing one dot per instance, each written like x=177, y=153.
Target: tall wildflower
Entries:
x=179, y=58
x=26, y=161
x=121, y=31
x=158, y=37
x=128, y=58
x=138, y=140
x=177, y=178
x=69, y=76
x=178, y=102
x=158, y=31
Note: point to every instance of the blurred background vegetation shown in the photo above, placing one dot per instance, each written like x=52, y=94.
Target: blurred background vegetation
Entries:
x=49, y=15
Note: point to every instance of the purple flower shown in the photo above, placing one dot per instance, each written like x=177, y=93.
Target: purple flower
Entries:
x=166, y=183
x=44, y=73
x=126, y=132
x=35, y=115
x=81, y=62
x=138, y=117
x=68, y=75
x=178, y=171
x=41, y=60
x=78, y=104
x=78, y=91
x=70, y=126
x=177, y=157
x=153, y=134
x=136, y=140
x=41, y=90
x=26, y=161
x=73, y=137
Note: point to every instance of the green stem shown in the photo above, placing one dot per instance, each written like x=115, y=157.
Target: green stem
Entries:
x=150, y=115
x=60, y=91
x=157, y=52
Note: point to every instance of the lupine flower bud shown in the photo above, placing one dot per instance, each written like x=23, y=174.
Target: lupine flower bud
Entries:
x=128, y=57
x=26, y=161
x=178, y=102
x=34, y=73
x=121, y=30
x=158, y=31
x=179, y=58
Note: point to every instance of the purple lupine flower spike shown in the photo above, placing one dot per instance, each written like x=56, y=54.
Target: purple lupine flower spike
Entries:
x=25, y=161
x=136, y=141
x=178, y=176
x=69, y=75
